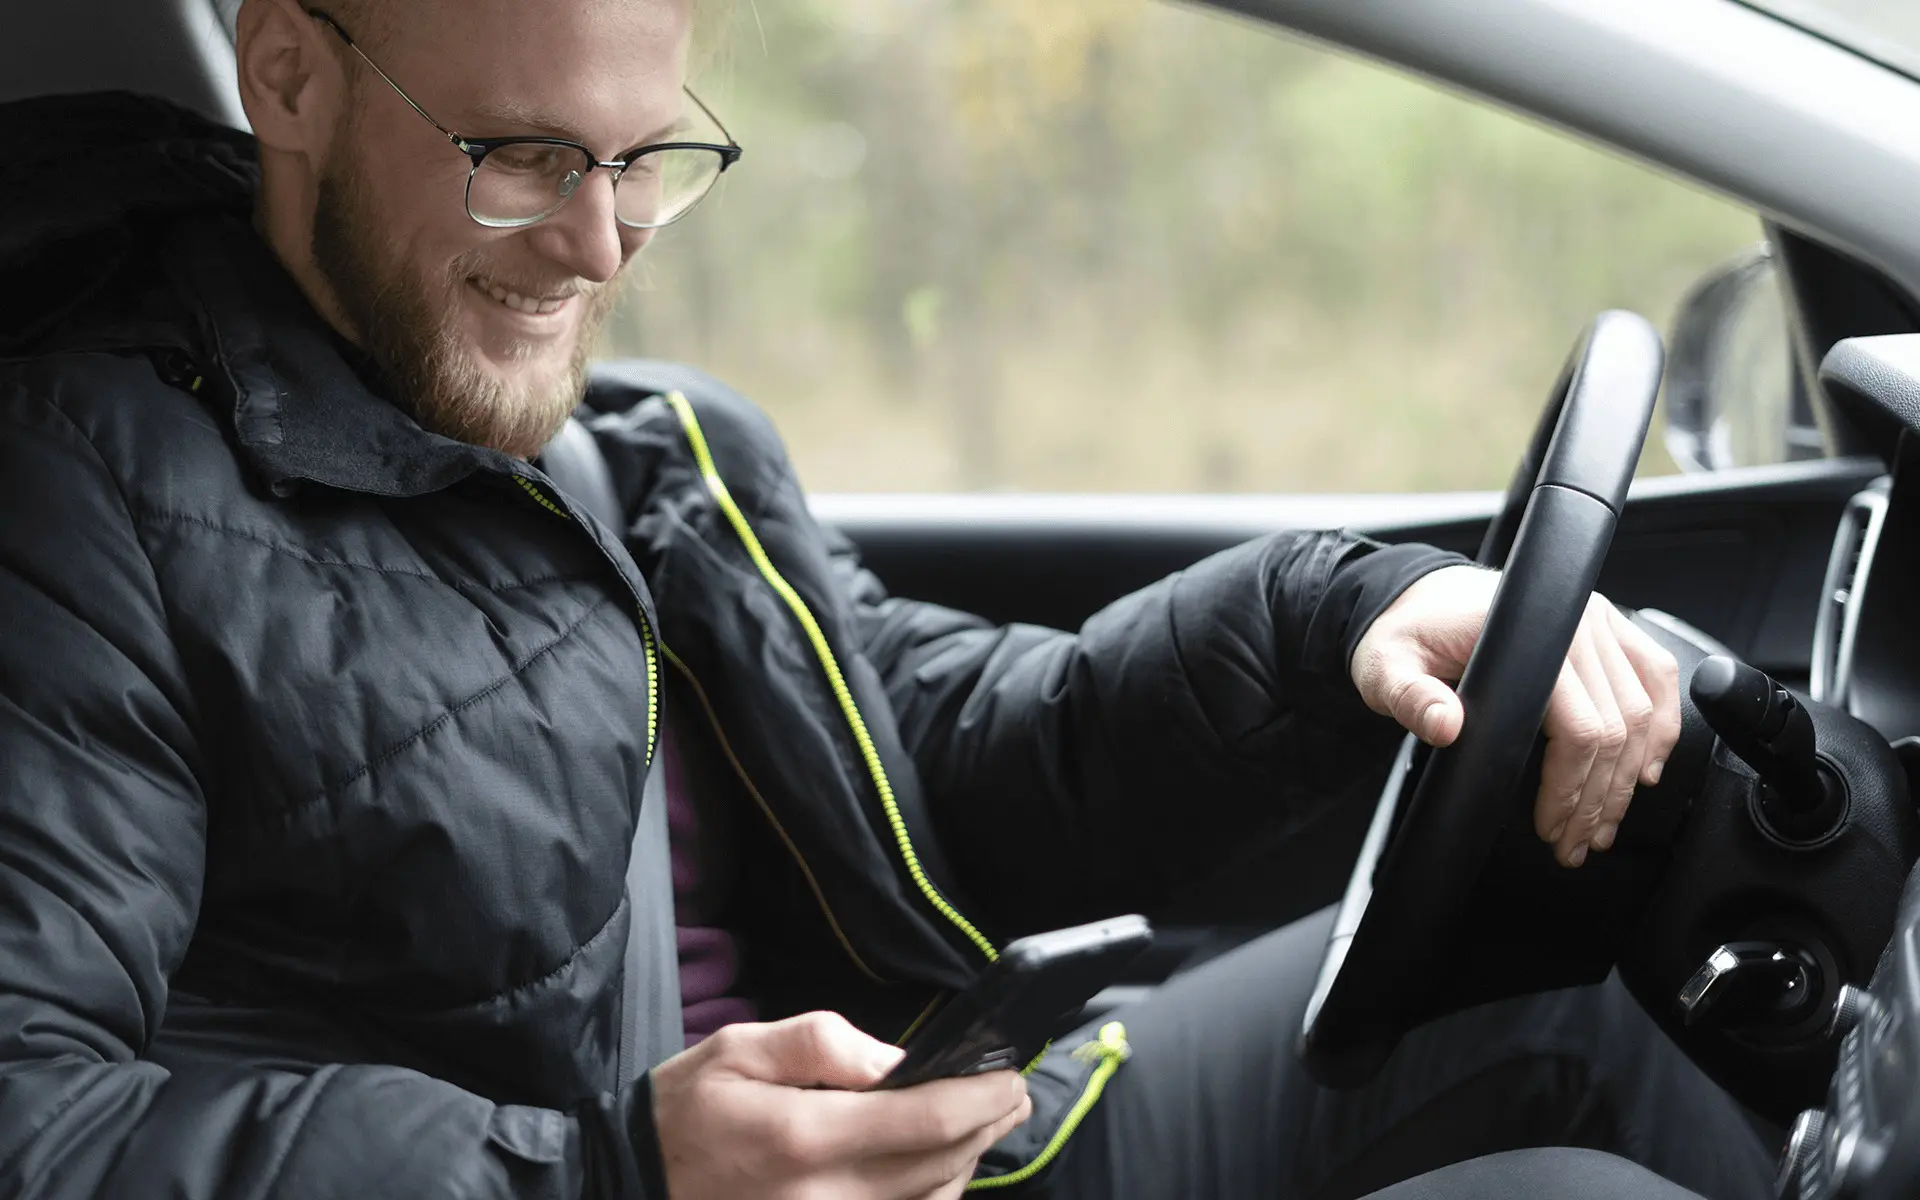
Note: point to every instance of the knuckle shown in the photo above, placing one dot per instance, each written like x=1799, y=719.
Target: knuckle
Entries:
x=1613, y=734
x=815, y=1035
x=958, y=1164
x=942, y=1125
x=726, y=1042
x=791, y=1139
x=1663, y=661
x=1586, y=728
x=1400, y=691
x=1637, y=713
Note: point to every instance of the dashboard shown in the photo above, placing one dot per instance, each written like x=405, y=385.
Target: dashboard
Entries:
x=1864, y=1142
x=1866, y=649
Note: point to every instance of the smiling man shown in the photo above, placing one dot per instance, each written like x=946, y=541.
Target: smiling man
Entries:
x=377, y=822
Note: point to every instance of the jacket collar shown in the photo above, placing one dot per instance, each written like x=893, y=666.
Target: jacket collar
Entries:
x=301, y=411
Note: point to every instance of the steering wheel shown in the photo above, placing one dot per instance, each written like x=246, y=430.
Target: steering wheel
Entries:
x=1435, y=826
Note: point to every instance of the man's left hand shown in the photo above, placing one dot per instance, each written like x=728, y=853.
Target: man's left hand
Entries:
x=1612, y=722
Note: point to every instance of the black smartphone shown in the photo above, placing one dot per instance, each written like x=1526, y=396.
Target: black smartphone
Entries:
x=1004, y=1019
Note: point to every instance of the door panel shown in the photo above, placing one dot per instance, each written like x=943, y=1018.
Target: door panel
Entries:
x=1740, y=554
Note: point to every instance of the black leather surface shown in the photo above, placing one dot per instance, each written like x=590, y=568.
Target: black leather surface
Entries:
x=1883, y=371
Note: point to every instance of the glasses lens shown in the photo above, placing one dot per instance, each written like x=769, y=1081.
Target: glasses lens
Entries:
x=521, y=182
x=661, y=185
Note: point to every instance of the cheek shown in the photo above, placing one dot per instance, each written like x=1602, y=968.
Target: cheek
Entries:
x=424, y=223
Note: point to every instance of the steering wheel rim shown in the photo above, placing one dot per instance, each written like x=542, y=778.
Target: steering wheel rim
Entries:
x=1433, y=829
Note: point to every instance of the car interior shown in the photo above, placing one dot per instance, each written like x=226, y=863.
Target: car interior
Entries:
x=1759, y=902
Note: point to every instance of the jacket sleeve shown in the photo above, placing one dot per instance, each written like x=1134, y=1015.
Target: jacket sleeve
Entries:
x=1071, y=775
x=103, y=827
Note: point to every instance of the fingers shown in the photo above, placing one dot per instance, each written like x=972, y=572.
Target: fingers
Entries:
x=764, y=1108
x=1659, y=673
x=1396, y=683
x=1636, y=712
x=929, y=1116
x=813, y=1050
x=945, y=1172
x=819, y=1131
x=1574, y=727
x=1613, y=721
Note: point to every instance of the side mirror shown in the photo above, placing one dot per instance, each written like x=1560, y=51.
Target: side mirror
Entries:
x=1733, y=395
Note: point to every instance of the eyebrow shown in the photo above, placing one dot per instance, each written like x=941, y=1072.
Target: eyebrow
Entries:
x=547, y=124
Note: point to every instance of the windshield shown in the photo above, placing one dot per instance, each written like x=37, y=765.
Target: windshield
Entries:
x=1887, y=30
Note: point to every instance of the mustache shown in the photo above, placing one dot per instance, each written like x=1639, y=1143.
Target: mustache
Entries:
x=548, y=288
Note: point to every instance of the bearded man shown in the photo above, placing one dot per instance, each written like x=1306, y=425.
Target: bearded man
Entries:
x=333, y=729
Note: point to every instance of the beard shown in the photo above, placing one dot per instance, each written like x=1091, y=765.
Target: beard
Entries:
x=410, y=328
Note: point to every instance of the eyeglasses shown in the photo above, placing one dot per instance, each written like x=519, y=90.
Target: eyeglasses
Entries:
x=520, y=181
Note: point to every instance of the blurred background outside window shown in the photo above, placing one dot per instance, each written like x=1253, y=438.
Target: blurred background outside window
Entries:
x=1117, y=245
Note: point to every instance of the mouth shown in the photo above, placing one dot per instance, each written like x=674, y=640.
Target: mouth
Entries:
x=525, y=305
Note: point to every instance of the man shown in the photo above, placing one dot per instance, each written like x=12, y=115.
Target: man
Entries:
x=332, y=728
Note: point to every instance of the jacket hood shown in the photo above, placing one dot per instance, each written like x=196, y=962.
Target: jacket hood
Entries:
x=85, y=178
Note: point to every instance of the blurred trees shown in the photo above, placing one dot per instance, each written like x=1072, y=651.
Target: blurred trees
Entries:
x=1116, y=245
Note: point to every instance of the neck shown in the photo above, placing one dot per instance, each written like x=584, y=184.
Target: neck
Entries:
x=285, y=223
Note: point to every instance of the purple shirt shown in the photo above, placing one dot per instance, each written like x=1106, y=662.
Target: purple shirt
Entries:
x=709, y=958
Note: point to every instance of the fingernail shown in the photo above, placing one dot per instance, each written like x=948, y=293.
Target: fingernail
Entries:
x=1578, y=856
x=1603, y=837
x=1430, y=720
x=1653, y=772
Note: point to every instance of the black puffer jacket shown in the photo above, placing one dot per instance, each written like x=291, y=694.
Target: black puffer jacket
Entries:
x=323, y=738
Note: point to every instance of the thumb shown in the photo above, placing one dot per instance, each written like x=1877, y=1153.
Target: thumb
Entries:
x=817, y=1049
x=1400, y=686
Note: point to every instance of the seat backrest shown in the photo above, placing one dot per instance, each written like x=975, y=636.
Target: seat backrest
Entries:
x=573, y=460
x=176, y=49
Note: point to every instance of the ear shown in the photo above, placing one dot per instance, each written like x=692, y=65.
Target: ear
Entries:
x=291, y=84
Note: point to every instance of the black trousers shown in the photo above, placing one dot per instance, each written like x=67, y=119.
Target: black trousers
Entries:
x=1213, y=1104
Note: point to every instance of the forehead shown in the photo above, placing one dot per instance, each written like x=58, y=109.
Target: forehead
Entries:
x=602, y=71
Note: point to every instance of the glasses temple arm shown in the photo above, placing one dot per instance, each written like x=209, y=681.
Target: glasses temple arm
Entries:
x=354, y=46
x=718, y=123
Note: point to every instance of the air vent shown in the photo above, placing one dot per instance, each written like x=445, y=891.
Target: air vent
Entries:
x=1843, y=593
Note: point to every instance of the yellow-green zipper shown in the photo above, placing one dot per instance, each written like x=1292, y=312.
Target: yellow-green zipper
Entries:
x=835, y=679
x=1111, y=1046
x=1111, y=1049
x=648, y=643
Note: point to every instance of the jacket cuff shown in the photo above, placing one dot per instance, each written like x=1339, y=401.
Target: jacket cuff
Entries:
x=1368, y=584
x=650, y=1164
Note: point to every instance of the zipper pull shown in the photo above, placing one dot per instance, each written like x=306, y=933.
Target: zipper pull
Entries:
x=1111, y=1045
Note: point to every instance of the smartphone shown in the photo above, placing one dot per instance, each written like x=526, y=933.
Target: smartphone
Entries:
x=1005, y=1018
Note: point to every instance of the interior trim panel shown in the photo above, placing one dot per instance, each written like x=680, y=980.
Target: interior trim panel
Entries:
x=1741, y=554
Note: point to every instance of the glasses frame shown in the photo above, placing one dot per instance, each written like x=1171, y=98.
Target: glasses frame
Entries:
x=477, y=149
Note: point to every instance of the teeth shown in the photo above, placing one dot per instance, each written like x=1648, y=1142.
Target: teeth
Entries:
x=517, y=302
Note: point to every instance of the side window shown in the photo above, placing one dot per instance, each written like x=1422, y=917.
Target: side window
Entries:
x=1107, y=245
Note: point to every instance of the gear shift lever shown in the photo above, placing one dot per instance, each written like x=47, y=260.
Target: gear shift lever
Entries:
x=1768, y=729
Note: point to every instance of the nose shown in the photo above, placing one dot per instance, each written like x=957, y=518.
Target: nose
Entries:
x=583, y=237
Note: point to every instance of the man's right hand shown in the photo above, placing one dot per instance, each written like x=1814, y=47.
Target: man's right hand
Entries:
x=758, y=1112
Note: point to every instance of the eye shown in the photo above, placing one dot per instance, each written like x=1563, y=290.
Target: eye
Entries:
x=533, y=158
